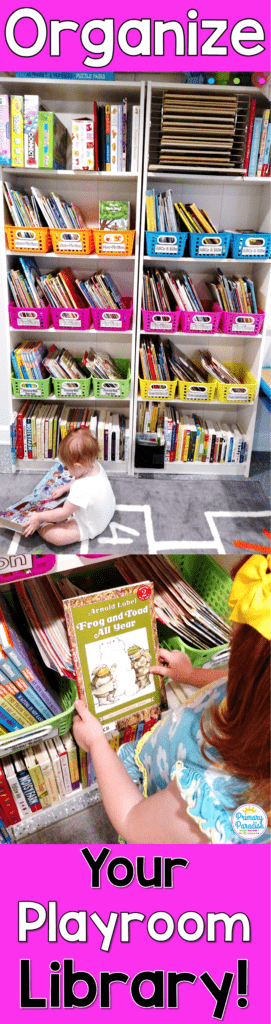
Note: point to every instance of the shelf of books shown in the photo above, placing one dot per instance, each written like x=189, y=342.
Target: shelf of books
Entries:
x=45, y=661
x=204, y=296
x=70, y=219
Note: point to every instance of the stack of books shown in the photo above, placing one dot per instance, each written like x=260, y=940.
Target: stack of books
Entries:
x=197, y=131
x=176, y=603
x=25, y=288
x=29, y=135
x=38, y=777
x=188, y=437
x=163, y=291
x=60, y=364
x=38, y=428
x=235, y=294
x=101, y=292
x=102, y=366
x=163, y=213
x=61, y=290
x=27, y=360
x=258, y=147
x=57, y=213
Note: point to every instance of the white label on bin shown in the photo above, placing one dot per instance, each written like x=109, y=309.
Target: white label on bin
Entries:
x=71, y=246
x=161, y=321
x=110, y=388
x=197, y=391
x=166, y=247
x=30, y=389
x=113, y=246
x=71, y=388
x=25, y=319
x=243, y=323
x=238, y=393
x=113, y=319
x=26, y=243
x=210, y=250
x=158, y=389
x=201, y=322
x=254, y=250
x=69, y=319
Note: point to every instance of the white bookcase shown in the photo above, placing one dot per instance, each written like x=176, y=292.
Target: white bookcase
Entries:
x=70, y=99
x=234, y=202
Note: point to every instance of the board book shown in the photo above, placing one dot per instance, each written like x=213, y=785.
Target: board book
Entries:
x=114, y=642
x=15, y=516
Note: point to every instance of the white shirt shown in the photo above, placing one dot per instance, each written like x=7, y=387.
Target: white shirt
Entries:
x=96, y=503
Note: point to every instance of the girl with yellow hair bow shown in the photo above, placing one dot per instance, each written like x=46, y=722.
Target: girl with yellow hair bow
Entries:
x=197, y=765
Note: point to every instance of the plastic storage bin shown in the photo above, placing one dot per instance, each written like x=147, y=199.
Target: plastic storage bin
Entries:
x=243, y=392
x=214, y=585
x=166, y=243
x=31, y=388
x=77, y=388
x=154, y=321
x=162, y=390
x=114, y=243
x=71, y=319
x=148, y=454
x=41, y=730
x=71, y=240
x=28, y=239
x=256, y=245
x=200, y=323
x=114, y=388
x=240, y=323
x=113, y=319
x=190, y=391
x=30, y=319
x=211, y=246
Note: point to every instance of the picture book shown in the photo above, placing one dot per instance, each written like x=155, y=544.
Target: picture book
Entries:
x=114, y=642
x=114, y=214
x=15, y=516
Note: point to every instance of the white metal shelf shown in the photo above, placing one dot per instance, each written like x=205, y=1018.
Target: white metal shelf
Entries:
x=197, y=403
x=52, y=330
x=221, y=179
x=204, y=337
x=91, y=400
x=71, y=256
x=41, y=465
x=197, y=469
x=172, y=260
x=74, y=802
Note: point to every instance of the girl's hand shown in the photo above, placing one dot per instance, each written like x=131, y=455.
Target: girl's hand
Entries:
x=86, y=728
x=177, y=666
x=57, y=493
x=33, y=522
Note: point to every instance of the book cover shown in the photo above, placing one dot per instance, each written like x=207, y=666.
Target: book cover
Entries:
x=5, y=157
x=113, y=641
x=52, y=141
x=15, y=516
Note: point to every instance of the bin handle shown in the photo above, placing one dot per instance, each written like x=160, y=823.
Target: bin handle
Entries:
x=47, y=732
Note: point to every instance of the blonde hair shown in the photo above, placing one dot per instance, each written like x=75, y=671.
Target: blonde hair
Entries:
x=78, y=446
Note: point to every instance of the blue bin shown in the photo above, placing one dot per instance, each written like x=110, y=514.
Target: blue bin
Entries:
x=256, y=245
x=214, y=246
x=165, y=243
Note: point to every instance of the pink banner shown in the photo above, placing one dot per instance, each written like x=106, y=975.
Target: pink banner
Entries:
x=205, y=38
x=174, y=927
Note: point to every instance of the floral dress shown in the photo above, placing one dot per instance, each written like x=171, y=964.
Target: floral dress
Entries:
x=171, y=750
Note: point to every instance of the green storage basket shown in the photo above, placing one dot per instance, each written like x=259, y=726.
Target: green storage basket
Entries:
x=31, y=388
x=114, y=388
x=68, y=694
x=214, y=585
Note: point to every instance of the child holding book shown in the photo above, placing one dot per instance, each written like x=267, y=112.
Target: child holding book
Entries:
x=198, y=765
x=91, y=503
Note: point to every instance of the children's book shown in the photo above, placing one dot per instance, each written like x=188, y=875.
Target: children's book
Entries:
x=114, y=642
x=15, y=516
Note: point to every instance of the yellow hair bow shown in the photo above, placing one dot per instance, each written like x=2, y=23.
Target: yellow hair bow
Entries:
x=251, y=595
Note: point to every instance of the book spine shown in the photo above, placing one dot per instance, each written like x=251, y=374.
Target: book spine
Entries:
x=29, y=790
x=249, y=134
x=5, y=157
x=252, y=167
x=114, y=137
x=17, y=793
x=9, y=811
x=135, y=139
x=107, y=137
x=17, y=131
x=266, y=157
x=265, y=123
x=31, y=113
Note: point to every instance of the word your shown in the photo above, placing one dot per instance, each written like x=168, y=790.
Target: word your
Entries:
x=246, y=36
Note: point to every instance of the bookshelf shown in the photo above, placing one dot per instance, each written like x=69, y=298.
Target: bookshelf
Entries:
x=68, y=100
x=235, y=203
